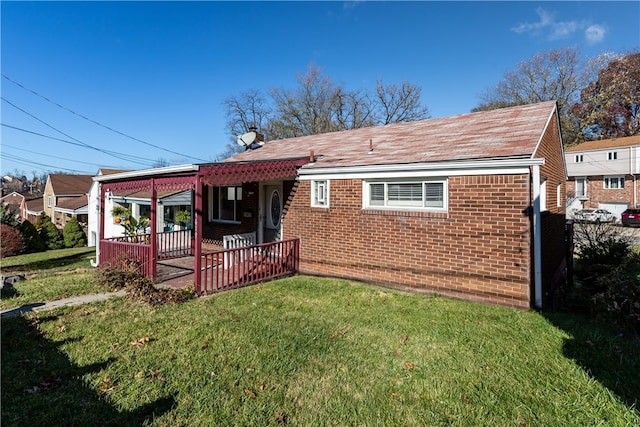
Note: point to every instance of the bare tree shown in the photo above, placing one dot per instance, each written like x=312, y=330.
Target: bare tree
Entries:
x=248, y=110
x=399, y=103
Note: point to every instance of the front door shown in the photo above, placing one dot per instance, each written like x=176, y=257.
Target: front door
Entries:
x=272, y=213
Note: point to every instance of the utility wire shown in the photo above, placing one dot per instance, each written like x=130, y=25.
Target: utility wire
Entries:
x=48, y=155
x=84, y=144
x=98, y=123
x=32, y=163
x=129, y=156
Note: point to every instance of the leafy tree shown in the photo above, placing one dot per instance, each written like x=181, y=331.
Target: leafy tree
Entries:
x=11, y=241
x=74, y=236
x=610, y=106
x=318, y=105
x=41, y=220
x=552, y=75
x=31, y=240
x=7, y=216
x=51, y=236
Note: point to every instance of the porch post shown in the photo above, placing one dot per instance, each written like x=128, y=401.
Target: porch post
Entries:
x=154, y=231
x=197, y=250
x=102, y=194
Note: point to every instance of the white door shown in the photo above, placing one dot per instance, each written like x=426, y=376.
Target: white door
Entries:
x=272, y=213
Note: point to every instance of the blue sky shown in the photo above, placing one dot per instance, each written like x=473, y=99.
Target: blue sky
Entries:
x=157, y=72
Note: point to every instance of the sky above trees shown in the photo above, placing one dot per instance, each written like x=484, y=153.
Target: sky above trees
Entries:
x=135, y=84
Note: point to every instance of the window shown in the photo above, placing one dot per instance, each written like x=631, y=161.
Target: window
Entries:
x=49, y=201
x=320, y=194
x=558, y=194
x=581, y=188
x=612, y=155
x=543, y=195
x=579, y=158
x=225, y=203
x=613, y=182
x=420, y=195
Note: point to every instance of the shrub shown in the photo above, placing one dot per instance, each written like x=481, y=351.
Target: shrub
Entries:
x=10, y=241
x=51, y=236
x=31, y=240
x=41, y=220
x=601, y=244
x=620, y=300
x=74, y=236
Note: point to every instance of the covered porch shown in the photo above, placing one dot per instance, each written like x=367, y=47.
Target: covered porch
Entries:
x=190, y=257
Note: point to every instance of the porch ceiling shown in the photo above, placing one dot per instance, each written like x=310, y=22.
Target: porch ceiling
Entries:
x=223, y=174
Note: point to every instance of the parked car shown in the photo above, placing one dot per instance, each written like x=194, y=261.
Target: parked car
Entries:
x=631, y=217
x=595, y=215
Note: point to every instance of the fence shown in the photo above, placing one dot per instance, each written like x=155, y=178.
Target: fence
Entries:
x=232, y=268
x=116, y=251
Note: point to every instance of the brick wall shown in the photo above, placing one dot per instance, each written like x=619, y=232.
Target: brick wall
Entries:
x=596, y=192
x=554, y=218
x=479, y=250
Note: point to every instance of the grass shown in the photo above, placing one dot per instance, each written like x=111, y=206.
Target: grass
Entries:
x=57, y=260
x=307, y=351
x=50, y=275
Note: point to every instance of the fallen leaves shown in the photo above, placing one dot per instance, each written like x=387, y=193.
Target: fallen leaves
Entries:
x=106, y=386
x=45, y=384
x=140, y=341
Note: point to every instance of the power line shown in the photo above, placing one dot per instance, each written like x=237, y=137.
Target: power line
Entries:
x=84, y=144
x=48, y=155
x=98, y=123
x=28, y=162
x=129, y=156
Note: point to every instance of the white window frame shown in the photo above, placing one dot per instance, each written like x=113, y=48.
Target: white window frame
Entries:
x=608, y=180
x=558, y=198
x=366, y=193
x=543, y=196
x=579, y=158
x=49, y=201
x=320, y=193
x=584, y=180
x=612, y=155
x=237, y=214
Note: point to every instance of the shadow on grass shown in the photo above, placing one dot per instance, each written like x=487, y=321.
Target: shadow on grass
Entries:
x=42, y=387
x=604, y=355
x=53, y=263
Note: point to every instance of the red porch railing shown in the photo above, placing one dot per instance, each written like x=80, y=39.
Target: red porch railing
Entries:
x=232, y=268
x=115, y=251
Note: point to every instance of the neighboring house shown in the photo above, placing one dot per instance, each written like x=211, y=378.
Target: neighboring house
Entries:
x=25, y=205
x=65, y=197
x=604, y=174
x=468, y=206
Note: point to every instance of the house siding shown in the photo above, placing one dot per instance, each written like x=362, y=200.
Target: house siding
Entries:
x=478, y=250
x=596, y=193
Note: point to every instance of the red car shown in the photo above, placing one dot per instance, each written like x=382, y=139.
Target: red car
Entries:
x=631, y=217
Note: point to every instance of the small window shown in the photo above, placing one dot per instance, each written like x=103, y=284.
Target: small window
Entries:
x=320, y=194
x=48, y=201
x=419, y=195
x=581, y=188
x=613, y=182
x=612, y=155
x=225, y=203
x=543, y=195
x=558, y=194
x=579, y=158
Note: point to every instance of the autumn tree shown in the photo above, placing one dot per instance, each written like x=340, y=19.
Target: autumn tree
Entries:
x=610, y=106
x=552, y=75
x=318, y=105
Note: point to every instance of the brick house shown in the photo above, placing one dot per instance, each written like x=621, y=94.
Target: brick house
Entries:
x=469, y=206
x=604, y=174
x=65, y=197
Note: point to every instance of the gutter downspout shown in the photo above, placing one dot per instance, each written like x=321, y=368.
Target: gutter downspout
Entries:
x=537, y=239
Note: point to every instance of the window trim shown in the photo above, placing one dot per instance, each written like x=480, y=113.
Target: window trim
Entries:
x=606, y=182
x=585, y=186
x=315, y=184
x=366, y=194
x=612, y=155
x=579, y=158
x=237, y=211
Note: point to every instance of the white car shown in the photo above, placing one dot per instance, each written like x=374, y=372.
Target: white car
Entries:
x=594, y=215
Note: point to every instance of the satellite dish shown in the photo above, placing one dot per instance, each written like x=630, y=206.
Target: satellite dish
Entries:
x=246, y=139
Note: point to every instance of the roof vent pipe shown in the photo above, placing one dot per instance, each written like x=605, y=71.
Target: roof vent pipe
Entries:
x=370, y=145
x=312, y=158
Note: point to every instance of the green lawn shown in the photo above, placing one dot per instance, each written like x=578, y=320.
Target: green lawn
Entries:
x=307, y=351
x=58, y=260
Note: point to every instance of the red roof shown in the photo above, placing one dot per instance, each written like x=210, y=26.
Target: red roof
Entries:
x=602, y=144
x=504, y=133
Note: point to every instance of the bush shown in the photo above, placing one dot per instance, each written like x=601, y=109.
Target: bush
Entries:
x=32, y=242
x=51, y=236
x=601, y=244
x=620, y=300
x=74, y=236
x=41, y=220
x=10, y=241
